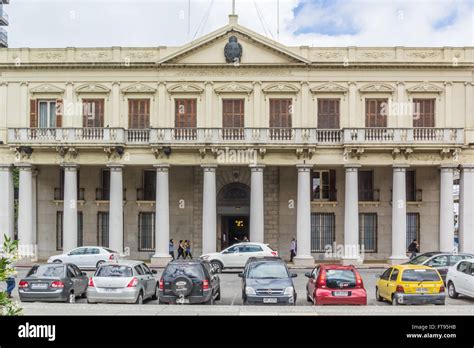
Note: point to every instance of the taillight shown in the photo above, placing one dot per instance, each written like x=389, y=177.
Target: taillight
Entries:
x=91, y=283
x=359, y=282
x=162, y=284
x=111, y=257
x=205, y=284
x=57, y=284
x=322, y=279
x=133, y=283
x=400, y=289
x=274, y=253
x=23, y=284
x=441, y=288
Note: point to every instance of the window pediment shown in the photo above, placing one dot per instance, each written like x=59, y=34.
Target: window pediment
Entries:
x=185, y=88
x=138, y=88
x=92, y=88
x=281, y=88
x=425, y=87
x=377, y=88
x=233, y=88
x=329, y=88
x=46, y=88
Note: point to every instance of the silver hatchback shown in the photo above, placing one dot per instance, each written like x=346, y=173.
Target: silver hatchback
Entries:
x=123, y=282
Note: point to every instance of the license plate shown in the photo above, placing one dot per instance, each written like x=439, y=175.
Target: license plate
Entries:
x=270, y=300
x=182, y=300
x=111, y=290
x=421, y=290
x=341, y=293
x=39, y=286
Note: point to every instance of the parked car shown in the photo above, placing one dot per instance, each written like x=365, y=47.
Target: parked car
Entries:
x=441, y=261
x=237, y=255
x=410, y=284
x=460, y=279
x=53, y=282
x=189, y=281
x=335, y=285
x=266, y=280
x=87, y=256
x=125, y=281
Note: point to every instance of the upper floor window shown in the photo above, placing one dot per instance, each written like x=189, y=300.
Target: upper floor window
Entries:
x=139, y=113
x=328, y=113
x=233, y=119
x=375, y=112
x=93, y=113
x=185, y=113
x=424, y=115
x=280, y=113
x=44, y=113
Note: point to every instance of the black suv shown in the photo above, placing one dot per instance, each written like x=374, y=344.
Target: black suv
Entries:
x=266, y=280
x=189, y=281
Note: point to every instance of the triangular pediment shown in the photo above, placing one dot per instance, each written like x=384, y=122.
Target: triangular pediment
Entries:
x=92, y=88
x=138, y=88
x=46, y=88
x=233, y=88
x=425, y=87
x=280, y=88
x=377, y=87
x=329, y=88
x=185, y=88
x=256, y=49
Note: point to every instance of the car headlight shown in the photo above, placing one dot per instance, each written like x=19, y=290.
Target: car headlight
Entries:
x=289, y=291
x=249, y=291
x=205, y=257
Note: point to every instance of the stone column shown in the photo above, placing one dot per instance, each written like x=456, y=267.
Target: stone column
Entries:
x=6, y=202
x=116, y=208
x=70, y=207
x=257, y=214
x=209, y=210
x=351, y=217
x=466, y=209
x=399, y=215
x=25, y=205
x=162, y=216
x=446, y=209
x=303, y=217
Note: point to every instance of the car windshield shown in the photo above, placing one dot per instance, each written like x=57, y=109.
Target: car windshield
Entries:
x=48, y=271
x=340, y=278
x=419, y=260
x=420, y=275
x=267, y=270
x=114, y=271
x=191, y=271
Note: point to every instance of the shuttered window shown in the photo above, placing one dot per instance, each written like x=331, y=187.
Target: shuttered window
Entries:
x=46, y=113
x=185, y=113
x=368, y=232
x=328, y=113
x=149, y=185
x=376, y=113
x=424, y=115
x=323, y=231
x=146, y=232
x=280, y=113
x=413, y=228
x=93, y=113
x=60, y=230
x=366, y=188
x=103, y=229
x=233, y=113
x=139, y=113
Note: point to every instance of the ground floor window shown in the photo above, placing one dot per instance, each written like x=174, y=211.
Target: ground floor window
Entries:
x=413, y=228
x=103, y=229
x=146, y=232
x=60, y=229
x=323, y=227
x=368, y=232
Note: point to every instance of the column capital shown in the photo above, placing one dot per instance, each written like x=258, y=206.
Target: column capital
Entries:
x=162, y=167
x=256, y=167
x=304, y=167
x=209, y=167
x=351, y=167
x=400, y=167
x=448, y=167
x=117, y=167
x=24, y=166
x=70, y=166
x=5, y=167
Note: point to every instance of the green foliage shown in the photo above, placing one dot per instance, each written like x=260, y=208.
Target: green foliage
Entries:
x=9, y=254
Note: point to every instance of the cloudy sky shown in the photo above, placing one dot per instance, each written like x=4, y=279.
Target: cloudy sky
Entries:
x=93, y=23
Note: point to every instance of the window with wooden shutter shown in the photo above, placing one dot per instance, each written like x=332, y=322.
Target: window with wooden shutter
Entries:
x=185, y=113
x=233, y=119
x=33, y=114
x=93, y=113
x=280, y=113
x=59, y=113
x=328, y=113
x=366, y=185
x=424, y=115
x=46, y=113
x=139, y=113
x=376, y=113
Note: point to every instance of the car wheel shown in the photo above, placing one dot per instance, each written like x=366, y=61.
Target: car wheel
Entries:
x=452, y=290
x=394, y=301
x=84, y=294
x=155, y=295
x=218, y=266
x=377, y=295
x=99, y=263
x=71, y=298
x=139, y=298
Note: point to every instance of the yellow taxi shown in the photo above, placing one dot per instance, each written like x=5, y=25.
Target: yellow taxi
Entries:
x=410, y=284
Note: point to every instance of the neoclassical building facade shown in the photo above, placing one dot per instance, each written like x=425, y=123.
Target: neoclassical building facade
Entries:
x=350, y=150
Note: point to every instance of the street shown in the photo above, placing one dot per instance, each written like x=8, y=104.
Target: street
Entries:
x=231, y=303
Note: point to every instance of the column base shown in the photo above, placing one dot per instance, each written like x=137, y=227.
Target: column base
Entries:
x=351, y=261
x=160, y=260
x=397, y=260
x=303, y=261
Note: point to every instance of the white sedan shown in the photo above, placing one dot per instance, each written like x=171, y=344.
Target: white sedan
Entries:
x=237, y=255
x=460, y=279
x=87, y=256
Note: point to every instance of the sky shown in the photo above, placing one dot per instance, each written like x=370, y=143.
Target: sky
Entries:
x=323, y=23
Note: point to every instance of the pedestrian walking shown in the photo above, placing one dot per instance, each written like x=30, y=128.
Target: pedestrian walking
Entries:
x=171, y=248
x=180, y=249
x=292, y=249
x=413, y=248
x=10, y=286
x=187, y=245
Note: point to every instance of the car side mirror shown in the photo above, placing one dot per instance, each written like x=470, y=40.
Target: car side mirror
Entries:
x=307, y=275
x=153, y=271
x=84, y=273
x=293, y=275
x=241, y=275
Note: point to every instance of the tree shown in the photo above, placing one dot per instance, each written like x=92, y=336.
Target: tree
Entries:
x=8, y=256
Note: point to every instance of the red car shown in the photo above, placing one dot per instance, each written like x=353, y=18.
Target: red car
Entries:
x=335, y=285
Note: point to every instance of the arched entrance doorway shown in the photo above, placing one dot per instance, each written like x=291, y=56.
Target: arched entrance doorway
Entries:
x=233, y=214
